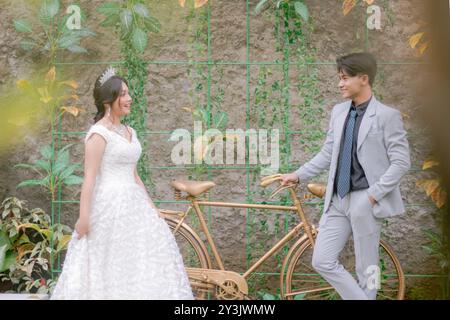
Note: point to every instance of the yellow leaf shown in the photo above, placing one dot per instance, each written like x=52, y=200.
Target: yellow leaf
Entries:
x=22, y=84
x=369, y=2
x=23, y=249
x=199, y=3
x=414, y=39
x=51, y=74
x=70, y=96
x=347, y=6
x=405, y=116
x=187, y=109
x=430, y=163
x=429, y=185
x=45, y=232
x=45, y=96
x=72, y=110
x=439, y=196
x=182, y=2
x=423, y=48
x=70, y=83
x=62, y=244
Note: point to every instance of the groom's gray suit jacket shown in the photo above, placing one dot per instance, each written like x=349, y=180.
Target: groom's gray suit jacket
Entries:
x=382, y=150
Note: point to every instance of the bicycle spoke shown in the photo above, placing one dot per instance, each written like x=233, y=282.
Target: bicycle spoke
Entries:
x=300, y=282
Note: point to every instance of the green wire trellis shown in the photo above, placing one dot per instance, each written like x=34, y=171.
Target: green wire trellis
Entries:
x=285, y=64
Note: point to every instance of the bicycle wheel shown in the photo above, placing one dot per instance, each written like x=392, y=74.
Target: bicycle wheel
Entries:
x=194, y=253
x=300, y=281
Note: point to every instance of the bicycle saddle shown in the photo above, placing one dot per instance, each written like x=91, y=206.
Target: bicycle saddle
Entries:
x=194, y=188
x=317, y=189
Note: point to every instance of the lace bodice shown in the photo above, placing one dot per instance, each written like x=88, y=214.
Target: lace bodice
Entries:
x=120, y=157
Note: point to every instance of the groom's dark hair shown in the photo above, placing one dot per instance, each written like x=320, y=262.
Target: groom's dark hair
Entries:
x=358, y=63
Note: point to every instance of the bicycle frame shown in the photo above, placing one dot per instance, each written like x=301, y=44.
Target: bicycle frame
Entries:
x=232, y=285
x=196, y=203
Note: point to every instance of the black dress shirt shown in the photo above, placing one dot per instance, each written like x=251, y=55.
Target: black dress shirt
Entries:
x=358, y=179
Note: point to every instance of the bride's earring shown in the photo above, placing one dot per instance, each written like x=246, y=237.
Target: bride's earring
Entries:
x=108, y=112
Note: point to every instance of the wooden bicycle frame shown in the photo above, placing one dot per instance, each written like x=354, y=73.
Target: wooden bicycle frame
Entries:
x=196, y=203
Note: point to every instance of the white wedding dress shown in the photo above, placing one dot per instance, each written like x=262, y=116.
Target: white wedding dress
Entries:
x=129, y=252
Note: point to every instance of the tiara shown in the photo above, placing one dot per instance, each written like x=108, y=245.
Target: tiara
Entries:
x=107, y=75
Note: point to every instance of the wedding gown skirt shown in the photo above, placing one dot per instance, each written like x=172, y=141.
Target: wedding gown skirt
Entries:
x=129, y=252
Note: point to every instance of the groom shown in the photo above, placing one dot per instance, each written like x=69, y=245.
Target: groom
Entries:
x=367, y=154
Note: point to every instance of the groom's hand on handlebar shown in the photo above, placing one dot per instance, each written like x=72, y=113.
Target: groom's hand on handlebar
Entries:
x=289, y=177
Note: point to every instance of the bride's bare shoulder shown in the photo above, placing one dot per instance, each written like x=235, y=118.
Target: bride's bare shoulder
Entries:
x=104, y=123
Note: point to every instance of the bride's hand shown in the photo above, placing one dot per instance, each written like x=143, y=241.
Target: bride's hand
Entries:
x=82, y=227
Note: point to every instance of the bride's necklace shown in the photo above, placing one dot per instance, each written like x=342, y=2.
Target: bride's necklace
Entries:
x=120, y=128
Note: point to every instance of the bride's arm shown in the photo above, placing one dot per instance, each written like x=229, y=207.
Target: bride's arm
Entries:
x=94, y=150
x=139, y=182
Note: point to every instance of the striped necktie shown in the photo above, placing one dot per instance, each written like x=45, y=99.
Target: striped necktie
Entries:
x=343, y=185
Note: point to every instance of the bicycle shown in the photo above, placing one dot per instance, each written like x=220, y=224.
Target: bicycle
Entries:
x=298, y=280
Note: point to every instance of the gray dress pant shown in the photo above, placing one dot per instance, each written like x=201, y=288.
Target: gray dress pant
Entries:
x=352, y=214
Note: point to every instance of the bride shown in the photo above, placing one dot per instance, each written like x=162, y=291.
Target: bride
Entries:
x=121, y=248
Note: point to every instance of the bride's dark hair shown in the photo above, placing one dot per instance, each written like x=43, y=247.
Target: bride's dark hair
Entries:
x=106, y=93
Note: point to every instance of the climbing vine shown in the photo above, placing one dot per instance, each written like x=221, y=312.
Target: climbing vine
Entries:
x=273, y=109
x=132, y=20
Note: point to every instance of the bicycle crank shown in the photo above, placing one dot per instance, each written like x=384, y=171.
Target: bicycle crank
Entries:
x=229, y=285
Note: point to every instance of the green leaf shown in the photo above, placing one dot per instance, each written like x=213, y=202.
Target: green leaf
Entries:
x=23, y=239
x=47, y=152
x=110, y=21
x=4, y=240
x=45, y=165
x=302, y=10
x=69, y=170
x=141, y=10
x=3, y=250
x=152, y=24
x=260, y=6
x=32, y=182
x=73, y=179
x=49, y=9
x=109, y=8
x=268, y=296
x=221, y=119
x=7, y=258
x=429, y=250
x=300, y=296
x=139, y=40
x=126, y=18
x=25, y=166
x=82, y=33
x=433, y=236
x=77, y=49
x=22, y=26
x=68, y=40
x=200, y=114
x=61, y=163
x=27, y=44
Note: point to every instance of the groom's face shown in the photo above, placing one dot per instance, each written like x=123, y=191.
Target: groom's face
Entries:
x=351, y=86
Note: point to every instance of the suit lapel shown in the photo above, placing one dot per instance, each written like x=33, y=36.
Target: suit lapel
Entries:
x=339, y=124
x=367, y=120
